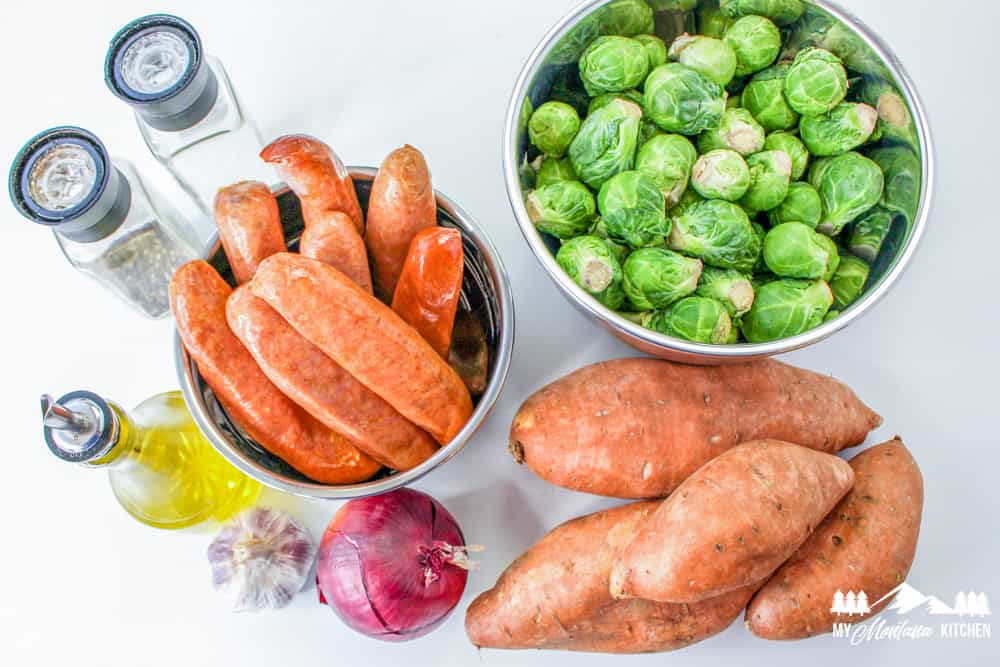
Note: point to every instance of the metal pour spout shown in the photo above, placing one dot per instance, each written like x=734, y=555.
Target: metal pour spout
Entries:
x=58, y=416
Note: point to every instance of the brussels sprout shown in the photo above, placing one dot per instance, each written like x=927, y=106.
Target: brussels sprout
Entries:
x=617, y=249
x=552, y=128
x=770, y=176
x=853, y=50
x=764, y=97
x=794, y=250
x=727, y=286
x=781, y=12
x=627, y=18
x=693, y=318
x=571, y=47
x=606, y=142
x=668, y=159
x=760, y=233
x=656, y=277
x=817, y=169
x=679, y=99
x=563, y=210
x=791, y=144
x=708, y=56
x=756, y=41
x=843, y=129
x=718, y=233
x=816, y=82
x=831, y=315
x=633, y=209
x=590, y=263
x=834, y=252
x=895, y=123
x=656, y=49
x=801, y=205
x=848, y=185
x=785, y=308
x=870, y=232
x=738, y=131
x=848, y=281
x=711, y=21
x=673, y=5
x=688, y=199
x=603, y=99
x=902, y=172
x=613, y=64
x=552, y=171
x=721, y=174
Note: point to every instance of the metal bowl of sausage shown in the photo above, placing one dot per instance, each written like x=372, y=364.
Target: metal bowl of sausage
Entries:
x=548, y=69
x=486, y=302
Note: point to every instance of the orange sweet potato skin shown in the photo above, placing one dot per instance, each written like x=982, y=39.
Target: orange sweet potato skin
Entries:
x=637, y=428
x=866, y=543
x=732, y=523
x=556, y=596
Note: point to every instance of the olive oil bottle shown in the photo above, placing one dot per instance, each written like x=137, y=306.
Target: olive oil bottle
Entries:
x=162, y=469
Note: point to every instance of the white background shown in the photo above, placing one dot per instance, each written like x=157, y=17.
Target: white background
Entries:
x=85, y=585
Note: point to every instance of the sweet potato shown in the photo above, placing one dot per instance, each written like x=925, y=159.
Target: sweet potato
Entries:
x=637, y=428
x=556, y=596
x=732, y=523
x=865, y=544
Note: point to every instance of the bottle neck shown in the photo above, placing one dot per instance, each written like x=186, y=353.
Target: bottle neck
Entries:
x=122, y=449
x=105, y=216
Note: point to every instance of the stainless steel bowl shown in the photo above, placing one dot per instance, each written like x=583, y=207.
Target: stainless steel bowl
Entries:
x=547, y=67
x=485, y=294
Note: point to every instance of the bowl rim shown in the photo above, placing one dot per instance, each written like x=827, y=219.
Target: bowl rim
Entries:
x=316, y=490
x=730, y=352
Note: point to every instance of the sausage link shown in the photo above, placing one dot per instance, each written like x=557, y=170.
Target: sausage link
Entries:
x=402, y=203
x=332, y=239
x=324, y=389
x=198, y=298
x=246, y=214
x=430, y=284
x=367, y=339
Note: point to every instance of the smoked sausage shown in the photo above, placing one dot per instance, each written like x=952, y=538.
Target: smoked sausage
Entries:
x=332, y=239
x=246, y=214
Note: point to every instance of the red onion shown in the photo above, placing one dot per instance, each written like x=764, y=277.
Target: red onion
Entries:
x=393, y=566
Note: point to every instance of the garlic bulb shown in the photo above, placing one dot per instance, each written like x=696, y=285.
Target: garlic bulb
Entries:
x=261, y=558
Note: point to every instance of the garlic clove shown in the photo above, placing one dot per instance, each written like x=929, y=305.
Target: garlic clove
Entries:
x=260, y=559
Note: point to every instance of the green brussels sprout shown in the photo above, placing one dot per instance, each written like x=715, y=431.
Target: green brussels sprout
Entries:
x=870, y=232
x=687, y=200
x=673, y=5
x=668, y=159
x=848, y=185
x=848, y=281
x=656, y=49
x=756, y=41
x=718, y=233
x=830, y=316
x=834, y=252
x=619, y=250
x=843, y=129
x=633, y=209
x=817, y=169
x=627, y=18
x=708, y=56
x=721, y=174
x=693, y=318
x=794, y=250
x=801, y=205
x=729, y=287
x=854, y=51
x=575, y=42
x=770, y=176
x=679, y=99
x=902, y=170
x=552, y=171
x=552, y=128
x=711, y=21
x=590, y=263
x=606, y=142
x=781, y=12
x=760, y=233
x=786, y=307
x=816, y=82
x=603, y=99
x=764, y=97
x=791, y=144
x=895, y=122
x=613, y=64
x=738, y=131
x=563, y=209
x=656, y=277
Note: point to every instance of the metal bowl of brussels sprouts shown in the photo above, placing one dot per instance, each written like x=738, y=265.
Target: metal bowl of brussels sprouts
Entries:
x=718, y=180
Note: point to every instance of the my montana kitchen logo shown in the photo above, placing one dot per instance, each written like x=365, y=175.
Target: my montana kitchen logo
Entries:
x=961, y=618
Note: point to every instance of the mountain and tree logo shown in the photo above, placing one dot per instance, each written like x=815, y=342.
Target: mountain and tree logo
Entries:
x=909, y=598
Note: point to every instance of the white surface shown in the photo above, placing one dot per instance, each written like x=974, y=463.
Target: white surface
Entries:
x=87, y=585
